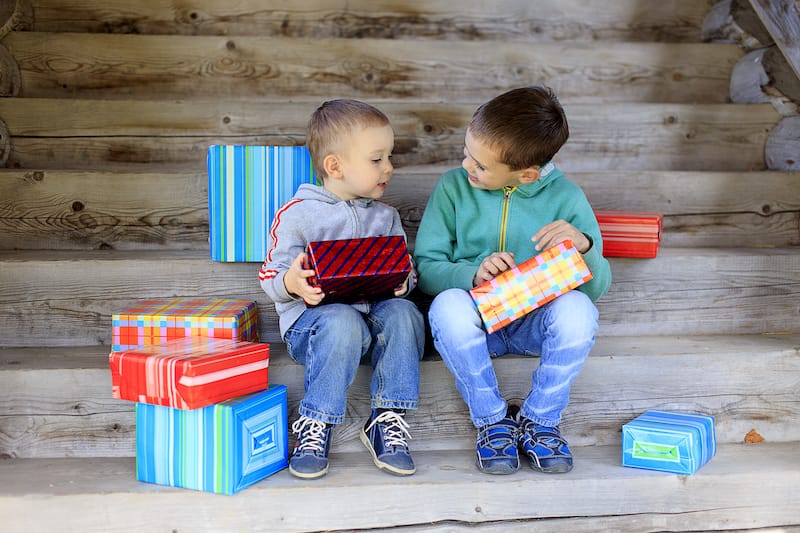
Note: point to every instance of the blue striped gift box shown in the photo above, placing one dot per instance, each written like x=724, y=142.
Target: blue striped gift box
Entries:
x=246, y=186
x=221, y=448
x=671, y=442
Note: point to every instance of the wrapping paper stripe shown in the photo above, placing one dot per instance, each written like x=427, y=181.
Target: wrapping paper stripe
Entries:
x=634, y=234
x=520, y=290
x=222, y=448
x=359, y=269
x=189, y=373
x=246, y=186
x=671, y=442
x=161, y=320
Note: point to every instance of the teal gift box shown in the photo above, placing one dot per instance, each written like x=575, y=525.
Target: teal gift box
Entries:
x=671, y=442
x=222, y=448
x=247, y=185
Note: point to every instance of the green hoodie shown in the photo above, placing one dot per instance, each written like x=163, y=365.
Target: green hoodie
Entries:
x=463, y=225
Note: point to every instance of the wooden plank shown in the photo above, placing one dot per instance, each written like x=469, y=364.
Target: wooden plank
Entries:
x=77, y=209
x=781, y=18
x=15, y=15
x=746, y=381
x=684, y=291
x=535, y=21
x=175, y=134
x=79, y=496
x=279, y=68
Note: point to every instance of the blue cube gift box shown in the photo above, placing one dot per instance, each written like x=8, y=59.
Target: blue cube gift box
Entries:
x=221, y=448
x=247, y=185
x=671, y=442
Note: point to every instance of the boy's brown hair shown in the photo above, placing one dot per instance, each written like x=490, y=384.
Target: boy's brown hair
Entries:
x=334, y=120
x=527, y=126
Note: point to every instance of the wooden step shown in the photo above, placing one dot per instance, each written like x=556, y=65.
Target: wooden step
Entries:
x=67, y=298
x=280, y=68
x=91, y=210
x=744, y=487
x=745, y=381
x=521, y=20
x=126, y=134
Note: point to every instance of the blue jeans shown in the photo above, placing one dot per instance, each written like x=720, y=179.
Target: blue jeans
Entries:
x=562, y=332
x=332, y=340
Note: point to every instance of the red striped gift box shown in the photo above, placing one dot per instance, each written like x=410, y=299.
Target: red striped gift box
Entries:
x=189, y=373
x=353, y=270
x=630, y=233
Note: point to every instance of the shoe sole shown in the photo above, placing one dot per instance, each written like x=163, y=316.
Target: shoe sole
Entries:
x=498, y=472
x=562, y=468
x=308, y=475
x=380, y=464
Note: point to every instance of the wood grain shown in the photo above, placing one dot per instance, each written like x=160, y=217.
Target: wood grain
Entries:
x=69, y=65
x=175, y=134
x=531, y=21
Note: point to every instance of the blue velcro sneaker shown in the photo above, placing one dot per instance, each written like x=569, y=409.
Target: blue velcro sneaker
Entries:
x=546, y=449
x=496, y=448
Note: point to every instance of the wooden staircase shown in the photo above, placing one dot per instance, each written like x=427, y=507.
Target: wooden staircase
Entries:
x=103, y=202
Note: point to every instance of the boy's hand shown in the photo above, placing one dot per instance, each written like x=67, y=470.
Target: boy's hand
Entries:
x=296, y=282
x=492, y=266
x=557, y=232
x=400, y=290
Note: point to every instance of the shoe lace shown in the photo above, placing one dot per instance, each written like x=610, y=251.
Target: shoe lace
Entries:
x=310, y=434
x=395, y=428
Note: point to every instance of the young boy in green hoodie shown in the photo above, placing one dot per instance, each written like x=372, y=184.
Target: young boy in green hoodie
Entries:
x=507, y=203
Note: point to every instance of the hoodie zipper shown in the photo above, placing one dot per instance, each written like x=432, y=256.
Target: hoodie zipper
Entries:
x=507, y=192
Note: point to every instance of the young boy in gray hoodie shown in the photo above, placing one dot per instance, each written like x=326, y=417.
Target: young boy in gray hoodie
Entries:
x=351, y=144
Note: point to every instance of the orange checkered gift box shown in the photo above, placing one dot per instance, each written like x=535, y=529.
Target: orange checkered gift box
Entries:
x=161, y=320
x=520, y=290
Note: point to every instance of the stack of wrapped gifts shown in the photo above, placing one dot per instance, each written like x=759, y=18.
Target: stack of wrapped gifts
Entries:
x=206, y=416
x=247, y=185
x=528, y=286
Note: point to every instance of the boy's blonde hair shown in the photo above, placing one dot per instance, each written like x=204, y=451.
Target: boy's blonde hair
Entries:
x=333, y=121
x=527, y=126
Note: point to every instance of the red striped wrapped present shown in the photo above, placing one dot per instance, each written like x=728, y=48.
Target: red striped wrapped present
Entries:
x=353, y=270
x=189, y=373
x=630, y=233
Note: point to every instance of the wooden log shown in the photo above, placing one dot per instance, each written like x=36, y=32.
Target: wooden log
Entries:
x=65, y=65
x=744, y=380
x=744, y=15
x=749, y=78
x=540, y=20
x=781, y=18
x=781, y=73
x=122, y=134
x=782, y=145
x=85, y=210
x=682, y=291
x=15, y=15
x=9, y=73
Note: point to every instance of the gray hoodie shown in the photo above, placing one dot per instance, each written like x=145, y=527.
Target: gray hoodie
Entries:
x=314, y=214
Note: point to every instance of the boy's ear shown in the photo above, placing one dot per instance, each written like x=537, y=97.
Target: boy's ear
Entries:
x=332, y=166
x=529, y=175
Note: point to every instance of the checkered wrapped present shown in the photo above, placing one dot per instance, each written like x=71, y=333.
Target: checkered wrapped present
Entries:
x=351, y=270
x=221, y=448
x=630, y=233
x=164, y=319
x=671, y=442
x=518, y=291
x=189, y=373
x=247, y=185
